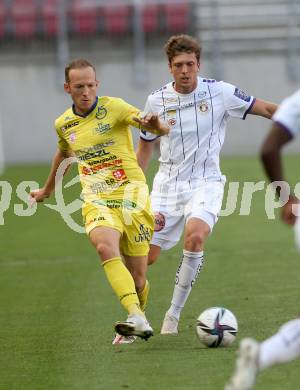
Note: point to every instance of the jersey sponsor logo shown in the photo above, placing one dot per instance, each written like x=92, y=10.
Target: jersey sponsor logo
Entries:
x=242, y=95
x=119, y=174
x=94, y=148
x=204, y=106
x=88, y=156
x=181, y=107
x=159, y=222
x=171, y=100
x=116, y=204
x=70, y=125
x=144, y=234
x=171, y=113
x=101, y=129
x=101, y=112
x=91, y=170
x=96, y=219
x=171, y=117
x=110, y=158
x=105, y=186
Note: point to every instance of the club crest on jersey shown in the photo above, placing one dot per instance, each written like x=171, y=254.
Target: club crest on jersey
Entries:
x=172, y=122
x=159, y=222
x=101, y=112
x=204, y=106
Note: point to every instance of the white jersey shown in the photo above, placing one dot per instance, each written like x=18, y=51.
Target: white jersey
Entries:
x=288, y=114
x=190, y=152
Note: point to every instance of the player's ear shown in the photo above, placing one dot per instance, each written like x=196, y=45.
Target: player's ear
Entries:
x=97, y=83
x=67, y=87
x=198, y=65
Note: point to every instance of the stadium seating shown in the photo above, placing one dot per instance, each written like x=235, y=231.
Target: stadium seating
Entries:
x=150, y=17
x=117, y=19
x=29, y=18
x=2, y=18
x=49, y=17
x=177, y=16
x=24, y=18
x=84, y=20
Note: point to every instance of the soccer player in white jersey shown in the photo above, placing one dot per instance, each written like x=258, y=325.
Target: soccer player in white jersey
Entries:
x=188, y=187
x=283, y=346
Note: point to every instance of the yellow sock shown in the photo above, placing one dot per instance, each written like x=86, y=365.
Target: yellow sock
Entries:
x=143, y=296
x=122, y=283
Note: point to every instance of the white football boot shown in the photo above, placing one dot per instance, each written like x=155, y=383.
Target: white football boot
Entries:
x=119, y=339
x=170, y=325
x=135, y=325
x=246, y=368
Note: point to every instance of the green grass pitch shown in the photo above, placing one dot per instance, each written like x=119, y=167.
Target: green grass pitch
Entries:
x=57, y=309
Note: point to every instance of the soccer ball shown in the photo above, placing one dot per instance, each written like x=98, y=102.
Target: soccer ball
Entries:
x=217, y=327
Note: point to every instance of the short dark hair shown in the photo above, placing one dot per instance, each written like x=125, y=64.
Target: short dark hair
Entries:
x=178, y=44
x=77, y=64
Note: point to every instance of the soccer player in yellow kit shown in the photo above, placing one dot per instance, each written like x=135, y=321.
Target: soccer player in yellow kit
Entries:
x=116, y=208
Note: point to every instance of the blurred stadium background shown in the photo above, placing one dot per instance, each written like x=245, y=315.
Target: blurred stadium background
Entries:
x=251, y=43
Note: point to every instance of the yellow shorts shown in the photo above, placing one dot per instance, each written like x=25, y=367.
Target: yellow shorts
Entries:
x=135, y=225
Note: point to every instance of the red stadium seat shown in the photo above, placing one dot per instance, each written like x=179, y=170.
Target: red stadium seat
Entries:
x=84, y=19
x=116, y=18
x=24, y=18
x=2, y=18
x=177, y=17
x=49, y=15
x=150, y=17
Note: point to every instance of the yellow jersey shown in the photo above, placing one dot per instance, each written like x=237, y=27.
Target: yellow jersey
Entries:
x=102, y=143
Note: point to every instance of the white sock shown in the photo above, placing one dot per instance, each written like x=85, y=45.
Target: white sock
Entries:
x=186, y=275
x=283, y=347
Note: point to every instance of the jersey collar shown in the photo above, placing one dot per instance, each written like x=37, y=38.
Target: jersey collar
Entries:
x=87, y=113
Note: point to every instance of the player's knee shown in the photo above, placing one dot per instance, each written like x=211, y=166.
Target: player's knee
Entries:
x=104, y=250
x=194, y=241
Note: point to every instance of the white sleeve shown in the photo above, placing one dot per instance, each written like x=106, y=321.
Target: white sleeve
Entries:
x=237, y=102
x=146, y=135
x=288, y=114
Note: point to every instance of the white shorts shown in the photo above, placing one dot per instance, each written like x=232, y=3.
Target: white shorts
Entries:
x=172, y=210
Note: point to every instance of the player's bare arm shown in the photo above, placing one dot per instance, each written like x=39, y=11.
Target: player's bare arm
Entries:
x=43, y=193
x=150, y=122
x=144, y=153
x=272, y=162
x=263, y=108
